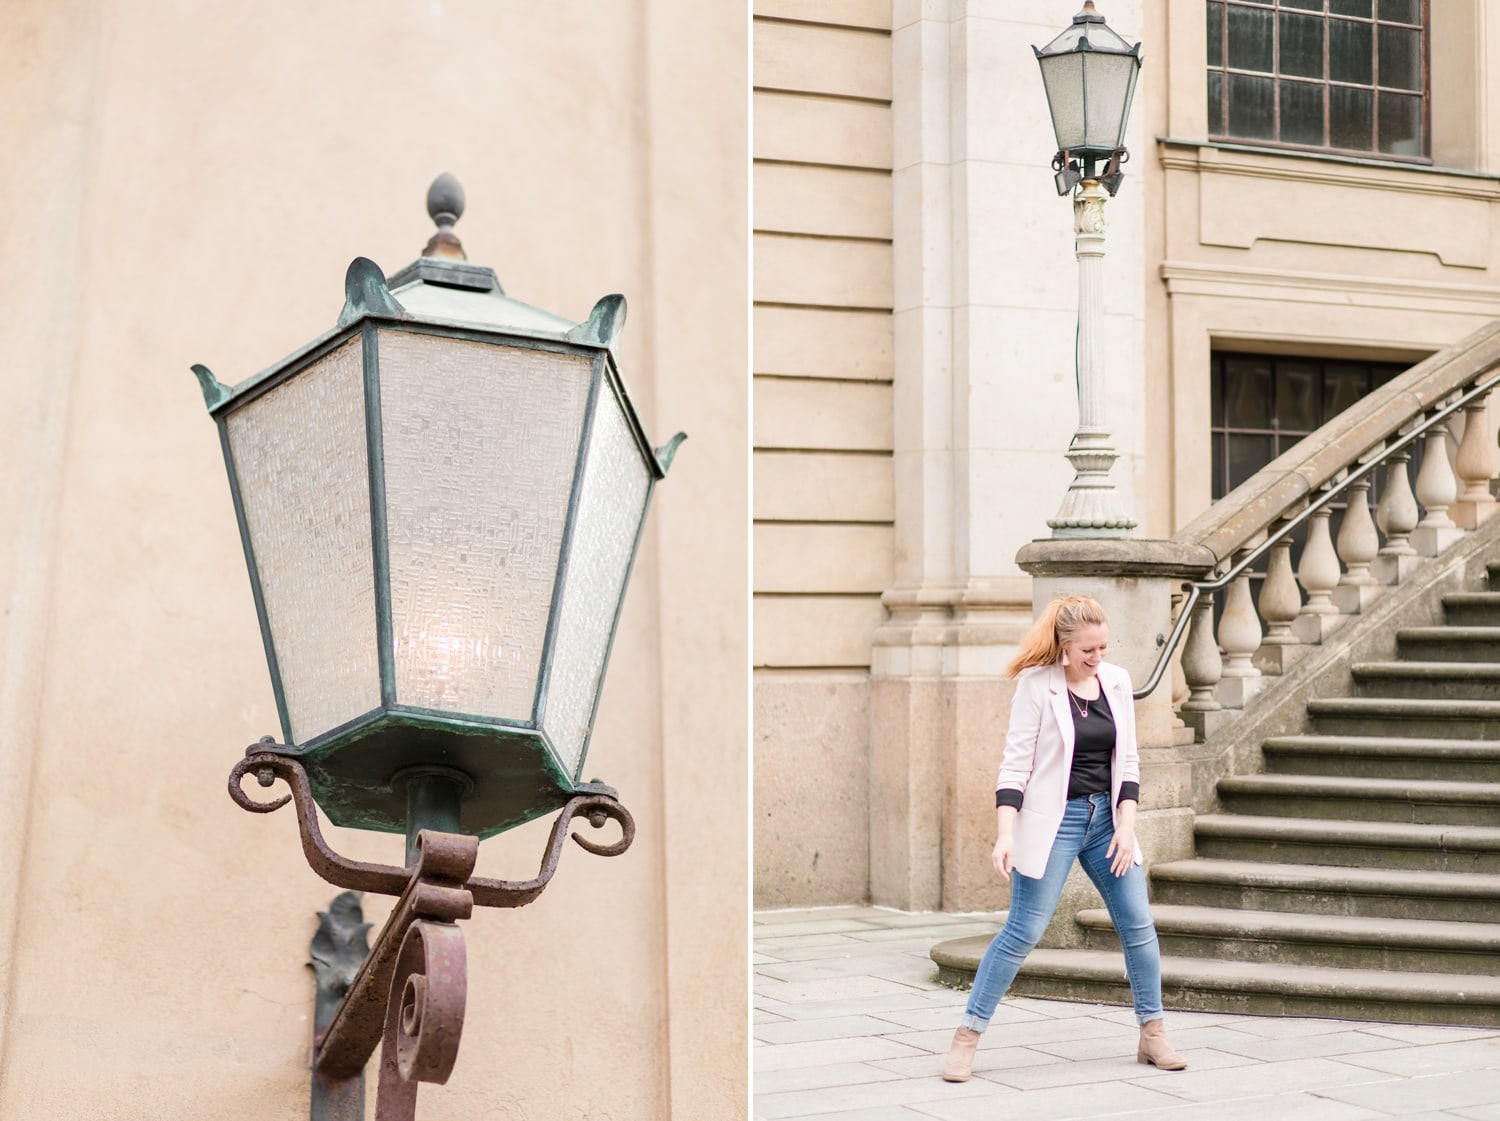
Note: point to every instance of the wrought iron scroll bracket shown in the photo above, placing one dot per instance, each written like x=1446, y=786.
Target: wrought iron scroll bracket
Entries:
x=409, y=993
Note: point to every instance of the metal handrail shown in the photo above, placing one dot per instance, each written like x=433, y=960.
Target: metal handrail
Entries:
x=1196, y=588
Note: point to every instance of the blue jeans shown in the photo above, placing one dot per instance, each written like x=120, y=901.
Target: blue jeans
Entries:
x=1086, y=830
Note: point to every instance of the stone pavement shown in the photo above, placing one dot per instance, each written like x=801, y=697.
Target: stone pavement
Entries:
x=850, y=1025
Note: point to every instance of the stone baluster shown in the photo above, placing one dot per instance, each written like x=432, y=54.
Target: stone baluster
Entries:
x=1318, y=575
x=1397, y=516
x=1280, y=604
x=1476, y=467
x=1437, y=489
x=1239, y=636
x=1202, y=668
x=1358, y=546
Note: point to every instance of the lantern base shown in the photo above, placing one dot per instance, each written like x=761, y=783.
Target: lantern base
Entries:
x=358, y=772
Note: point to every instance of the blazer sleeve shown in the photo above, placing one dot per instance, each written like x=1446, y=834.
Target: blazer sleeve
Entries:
x=1027, y=710
x=1130, y=754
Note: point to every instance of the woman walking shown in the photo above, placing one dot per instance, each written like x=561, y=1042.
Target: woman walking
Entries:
x=1068, y=789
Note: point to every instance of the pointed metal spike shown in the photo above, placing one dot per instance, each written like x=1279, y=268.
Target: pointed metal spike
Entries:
x=365, y=293
x=604, y=324
x=667, y=451
x=215, y=393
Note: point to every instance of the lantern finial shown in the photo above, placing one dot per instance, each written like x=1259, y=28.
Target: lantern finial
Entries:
x=445, y=204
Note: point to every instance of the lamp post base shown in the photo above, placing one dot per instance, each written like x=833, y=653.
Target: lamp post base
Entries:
x=1091, y=508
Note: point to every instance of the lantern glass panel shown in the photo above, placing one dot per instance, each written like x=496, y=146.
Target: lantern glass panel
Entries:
x=480, y=449
x=1062, y=75
x=1109, y=85
x=302, y=466
x=611, y=503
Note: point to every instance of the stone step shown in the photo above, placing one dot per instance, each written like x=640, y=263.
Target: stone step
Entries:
x=1333, y=941
x=1255, y=988
x=1428, y=680
x=1314, y=889
x=1348, y=844
x=1374, y=716
x=1418, y=801
x=1383, y=757
x=1449, y=644
x=1472, y=609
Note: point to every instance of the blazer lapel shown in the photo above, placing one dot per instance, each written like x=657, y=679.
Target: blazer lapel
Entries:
x=1058, y=684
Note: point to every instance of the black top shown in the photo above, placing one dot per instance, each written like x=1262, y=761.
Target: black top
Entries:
x=1093, y=753
x=1093, y=745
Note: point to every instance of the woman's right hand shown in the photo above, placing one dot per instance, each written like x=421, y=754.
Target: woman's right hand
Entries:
x=1004, y=847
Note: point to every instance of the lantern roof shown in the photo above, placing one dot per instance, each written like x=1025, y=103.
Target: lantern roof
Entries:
x=1088, y=32
x=440, y=287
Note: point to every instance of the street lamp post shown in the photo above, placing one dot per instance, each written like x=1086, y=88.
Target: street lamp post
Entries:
x=440, y=500
x=1089, y=73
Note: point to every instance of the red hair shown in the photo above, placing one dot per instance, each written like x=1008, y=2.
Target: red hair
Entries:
x=1059, y=622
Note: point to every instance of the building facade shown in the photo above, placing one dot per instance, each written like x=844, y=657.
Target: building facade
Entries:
x=188, y=183
x=1306, y=211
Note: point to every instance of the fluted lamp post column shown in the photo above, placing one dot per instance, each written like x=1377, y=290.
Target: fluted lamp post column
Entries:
x=1089, y=73
x=440, y=501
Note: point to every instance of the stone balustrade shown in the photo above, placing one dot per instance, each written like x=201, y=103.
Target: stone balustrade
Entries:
x=1437, y=413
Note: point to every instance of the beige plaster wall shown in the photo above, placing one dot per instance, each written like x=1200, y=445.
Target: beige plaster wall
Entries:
x=187, y=183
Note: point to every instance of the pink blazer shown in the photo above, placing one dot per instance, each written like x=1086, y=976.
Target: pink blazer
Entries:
x=1039, y=756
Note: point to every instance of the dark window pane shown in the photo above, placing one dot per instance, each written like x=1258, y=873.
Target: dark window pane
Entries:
x=1250, y=107
x=1350, y=8
x=1382, y=374
x=1400, y=58
x=1218, y=477
x=1308, y=5
x=1301, y=113
x=1250, y=39
x=1301, y=46
x=1216, y=391
x=1247, y=455
x=1247, y=392
x=1342, y=386
x=1400, y=11
x=1298, y=392
x=1351, y=118
x=1349, y=52
x=1215, y=34
x=1400, y=124
x=1215, y=102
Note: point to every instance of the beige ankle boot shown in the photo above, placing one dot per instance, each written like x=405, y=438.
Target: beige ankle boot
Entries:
x=1155, y=1050
x=961, y=1055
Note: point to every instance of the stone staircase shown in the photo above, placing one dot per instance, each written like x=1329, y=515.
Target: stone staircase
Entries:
x=1358, y=876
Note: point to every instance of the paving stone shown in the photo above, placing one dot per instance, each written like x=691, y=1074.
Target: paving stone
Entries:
x=843, y=964
x=878, y=1113
x=1118, y=1043
x=1427, y=1033
x=793, y=915
x=1432, y=1093
x=1310, y=1046
x=826, y=1052
x=1293, y=1106
x=819, y=1077
x=995, y=1058
x=1478, y=1113
x=1066, y=1103
x=829, y=988
x=1112, y=1070
x=1434, y=1058
x=785, y=948
x=906, y=1091
x=833, y=1027
x=1252, y=1079
x=1287, y=1027
x=883, y=1005
x=764, y=1017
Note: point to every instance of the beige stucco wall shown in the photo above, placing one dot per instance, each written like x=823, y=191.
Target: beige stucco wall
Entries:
x=187, y=183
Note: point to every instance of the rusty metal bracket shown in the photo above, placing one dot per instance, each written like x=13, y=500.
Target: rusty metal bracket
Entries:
x=408, y=995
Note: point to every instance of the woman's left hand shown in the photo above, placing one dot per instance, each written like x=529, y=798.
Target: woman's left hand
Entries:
x=1121, y=851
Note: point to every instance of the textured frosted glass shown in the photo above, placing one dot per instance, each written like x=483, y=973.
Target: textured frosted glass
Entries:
x=611, y=504
x=300, y=455
x=481, y=445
